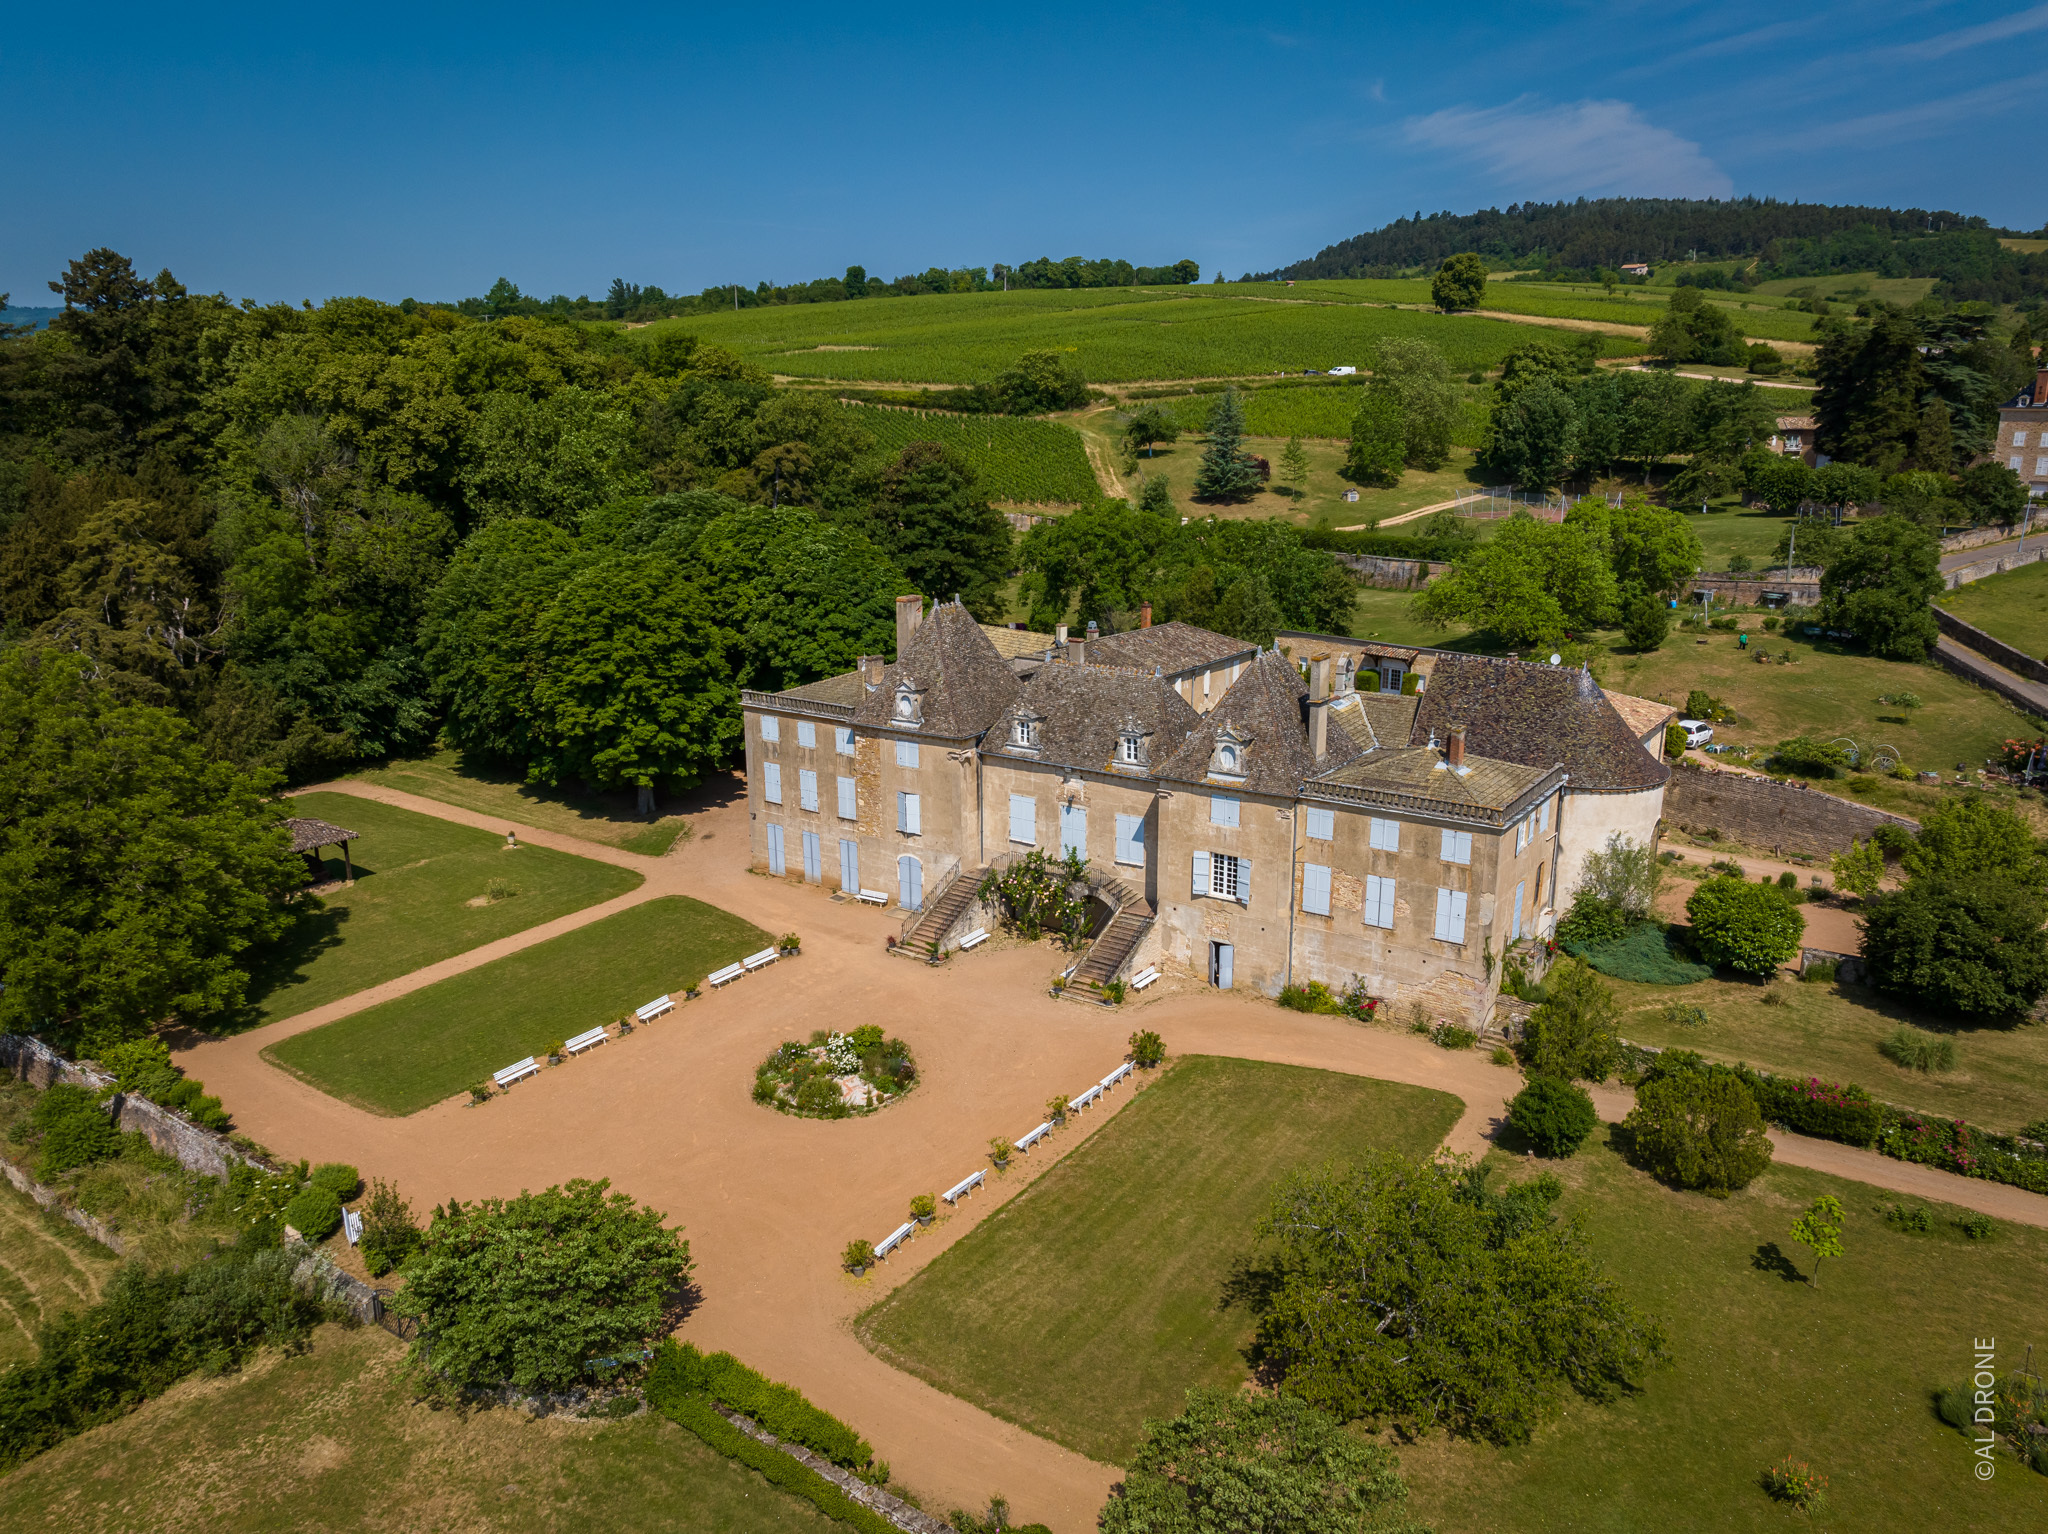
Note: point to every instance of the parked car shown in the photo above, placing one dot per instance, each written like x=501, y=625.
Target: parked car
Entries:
x=1342, y=372
x=1697, y=732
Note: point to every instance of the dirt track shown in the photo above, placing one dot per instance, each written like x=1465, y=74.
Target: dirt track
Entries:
x=768, y=1201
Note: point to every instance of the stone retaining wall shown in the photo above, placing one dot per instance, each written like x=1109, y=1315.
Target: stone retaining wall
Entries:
x=53, y=1201
x=1973, y=638
x=1801, y=586
x=1962, y=575
x=876, y=1500
x=1764, y=813
x=1392, y=574
x=1977, y=537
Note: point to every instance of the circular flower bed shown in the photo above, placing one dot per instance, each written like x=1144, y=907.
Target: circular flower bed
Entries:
x=836, y=1075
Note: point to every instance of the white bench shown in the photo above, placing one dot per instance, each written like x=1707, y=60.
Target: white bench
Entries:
x=872, y=897
x=1143, y=978
x=584, y=1041
x=730, y=972
x=1034, y=1137
x=1117, y=1075
x=518, y=1069
x=894, y=1239
x=1086, y=1097
x=761, y=960
x=963, y=1187
x=654, y=1009
x=978, y=935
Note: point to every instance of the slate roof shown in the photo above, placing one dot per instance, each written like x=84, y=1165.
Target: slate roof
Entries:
x=1537, y=716
x=1081, y=712
x=844, y=689
x=966, y=685
x=307, y=833
x=1264, y=705
x=1171, y=647
x=1641, y=715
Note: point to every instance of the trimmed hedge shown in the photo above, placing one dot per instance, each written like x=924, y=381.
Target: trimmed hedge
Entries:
x=681, y=1371
x=696, y=1414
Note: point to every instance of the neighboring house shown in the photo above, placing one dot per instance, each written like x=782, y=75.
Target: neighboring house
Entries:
x=1635, y=269
x=1328, y=809
x=2023, y=436
x=1794, y=439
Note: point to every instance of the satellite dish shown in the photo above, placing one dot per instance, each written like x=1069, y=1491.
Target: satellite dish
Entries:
x=1555, y=657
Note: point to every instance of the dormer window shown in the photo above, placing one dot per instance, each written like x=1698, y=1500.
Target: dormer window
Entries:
x=1133, y=744
x=1228, y=758
x=1024, y=730
x=909, y=704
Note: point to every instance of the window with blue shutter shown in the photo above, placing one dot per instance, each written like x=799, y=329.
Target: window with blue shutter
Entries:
x=776, y=865
x=1222, y=811
x=1386, y=835
x=1315, y=889
x=1457, y=846
x=1201, y=873
x=806, y=734
x=1322, y=824
x=1379, y=902
x=807, y=789
x=1130, y=839
x=846, y=798
x=907, y=814
x=1024, y=819
x=906, y=753
x=1450, y=915
x=771, y=727
x=771, y=782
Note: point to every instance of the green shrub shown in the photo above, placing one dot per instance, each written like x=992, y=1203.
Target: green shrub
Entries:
x=390, y=1235
x=1805, y=757
x=1745, y=926
x=314, y=1212
x=1685, y=1014
x=1590, y=922
x=1699, y=1129
x=1554, y=1116
x=857, y=1255
x=338, y=1178
x=1918, y=1050
x=1572, y=1035
x=1502, y=1055
x=1312, y=997
x=1976, y=1227
x=1147, y=1049
x=1820, y=972
x=1646, y=953
x=681, y=1371
x=143, y=1068
x=698, y=1416
x=1795, y=1482
x=71, y=1130
x=1451, y=1036
x=1114, y=991
x=1915, y=1218
x=1706, y=707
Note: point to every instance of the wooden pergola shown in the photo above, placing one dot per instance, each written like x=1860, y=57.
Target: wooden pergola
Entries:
x=309, y=836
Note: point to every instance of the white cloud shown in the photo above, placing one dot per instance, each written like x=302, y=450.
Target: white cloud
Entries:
x=1577, y=148
x=2016, y=25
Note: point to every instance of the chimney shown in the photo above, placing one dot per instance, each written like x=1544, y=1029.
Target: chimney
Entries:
x=1093, y=632
x=1454, y=748
x=871, y=670
x=1144, y=615
x=909, y=614
x=1059, y=635
x=1077, y=649
x=1318, y=705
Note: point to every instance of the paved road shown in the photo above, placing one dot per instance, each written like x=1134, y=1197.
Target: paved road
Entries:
x=1992, y=675
x=768, y=1201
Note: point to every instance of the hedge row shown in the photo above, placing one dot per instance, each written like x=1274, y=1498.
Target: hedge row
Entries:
x=780, y=1409
x=697, y=1414
x=1833, y=1111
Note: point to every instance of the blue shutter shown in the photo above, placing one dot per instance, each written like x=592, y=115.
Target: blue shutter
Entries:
x=771, y=783
x=814, y=871
x=846, y=811
x=1201, y=873
x=1322, y=824
x=1130, y=839
x=1315, y=889
x=1073, y=829
x=775, y=862
x=807, y=789
x=849, y=864
x=1024, y=819
x=1222, y=810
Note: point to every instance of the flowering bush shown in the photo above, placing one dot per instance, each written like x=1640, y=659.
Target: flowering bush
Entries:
x=1795, y=1482
x=835, y=1075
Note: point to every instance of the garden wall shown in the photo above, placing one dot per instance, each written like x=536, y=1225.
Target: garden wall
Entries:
x=1392, y=574
x=1977, y=537
x=1973, y=638
x=53, y=1201
x=1764, y=813
x=1962, y=575
x=1801, y=588
x=198, y=1150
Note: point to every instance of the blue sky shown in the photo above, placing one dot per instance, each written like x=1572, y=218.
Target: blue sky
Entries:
x=428, y=149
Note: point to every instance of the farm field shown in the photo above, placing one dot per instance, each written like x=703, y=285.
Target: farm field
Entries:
x=1832, y=1031
x=1850, y=286
x=46, y=1267
x=409, y=1053
x=2012, y=607
x=1118, y=1256
x=461, y=778
x=1763, y=1365
x=416, y=877
x=1114, y=335
x=1318, y=412
x=335, y=1439
x=1021, y=460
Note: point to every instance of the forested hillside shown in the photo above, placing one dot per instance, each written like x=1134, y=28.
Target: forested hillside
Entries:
x=1775, y=239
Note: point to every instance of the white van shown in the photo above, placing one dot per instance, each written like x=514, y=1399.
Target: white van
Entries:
x=1342, y=372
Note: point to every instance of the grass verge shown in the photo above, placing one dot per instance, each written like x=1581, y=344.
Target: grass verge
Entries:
x=408, y=1053
x=2012, y=607
x=412, y=903
x=46, y=1267
x=1094, y=1299
x=456, y=777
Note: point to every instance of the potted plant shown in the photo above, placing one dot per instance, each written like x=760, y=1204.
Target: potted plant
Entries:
x=693, y=990
x=790, y=945
x=923, y=1207
x=1000, y=1149
x=1115, y=991
x=1056, y=1108
x=480, y=1093
x=1147, y=1049
x=1059, y=984
x=858, y=1257
x=554, y=1052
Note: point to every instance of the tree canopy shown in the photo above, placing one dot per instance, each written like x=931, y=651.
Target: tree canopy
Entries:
x=1532, y=581
x=1879, y=585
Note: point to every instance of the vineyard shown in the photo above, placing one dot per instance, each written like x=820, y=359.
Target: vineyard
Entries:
x=1324, y=412
x=1114, y=335
x=1018, y=459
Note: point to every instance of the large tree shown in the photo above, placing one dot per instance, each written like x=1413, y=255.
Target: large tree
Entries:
x=1420, y=378
x=1532, y=436
x=1880, y=587
x=1460, y=283
x=931, y=518
x=1693, y=330
x=1411, y=1293
x=1972, y=836
x=1871, y=380
x=135, y=871
x=1649, y=547
x=1967, y=945
x=1378, y=439
x=1533, y=581
x=1227, y=472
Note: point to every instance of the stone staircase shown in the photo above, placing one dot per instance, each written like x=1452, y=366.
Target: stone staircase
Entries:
x=1113, y=947
x=921, y=938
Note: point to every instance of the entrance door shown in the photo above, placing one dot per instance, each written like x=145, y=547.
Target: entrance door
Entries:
x=775, y=863
x=849, y=865
x=1219, y=966
x=814, y=868
x=1073, y=829
x=909, y=883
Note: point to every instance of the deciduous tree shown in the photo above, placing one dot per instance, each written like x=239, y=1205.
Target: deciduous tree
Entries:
x=1459, y=283
x=1880, y=587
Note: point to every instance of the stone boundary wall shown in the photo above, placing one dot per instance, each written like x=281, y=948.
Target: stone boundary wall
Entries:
x=53, y=1202
x=1848, y=966
x=1802, y=586
x=876, y=1500
x=1977, y=537
x=1762, y=812
x=196, y=1149
x=1979, y=671
x=1392, y=574
x=1962, y=575
x=317, y=1275
x=1973, y=638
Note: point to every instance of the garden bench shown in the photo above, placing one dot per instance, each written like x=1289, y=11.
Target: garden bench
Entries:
x=761, y=960
x=1086, y=1097
x=730, y=972
x=872, y=897
x=978, y=935
x=1143, y=978
x=894, y=1239
x=963, y=1187
x=1117, y=1075
x=654, y=1009
x=584, y=1041
x=513, y=1072
x=1034, y=1137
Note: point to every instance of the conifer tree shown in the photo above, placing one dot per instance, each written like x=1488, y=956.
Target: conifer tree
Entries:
x=1294, y=465
x=1227, y=472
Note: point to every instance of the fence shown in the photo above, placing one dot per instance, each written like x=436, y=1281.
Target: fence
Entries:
x=1501, y=501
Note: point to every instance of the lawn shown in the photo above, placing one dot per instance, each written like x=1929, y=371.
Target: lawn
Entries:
x=2012, y=607
x=1832, y=1031
x=1092, y=1301
x=335, y=1439
x=474, y=783
x=46, y=1267
x=412, y=1052
x=416, y=879
x=1389, y=616
x=1840, y=1376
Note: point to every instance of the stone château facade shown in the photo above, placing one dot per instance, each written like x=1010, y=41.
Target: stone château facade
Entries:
x=1325, y=809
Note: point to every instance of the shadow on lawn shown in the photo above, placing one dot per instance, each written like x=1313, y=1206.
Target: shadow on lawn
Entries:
x=1771, y=1258
x=284, y=963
